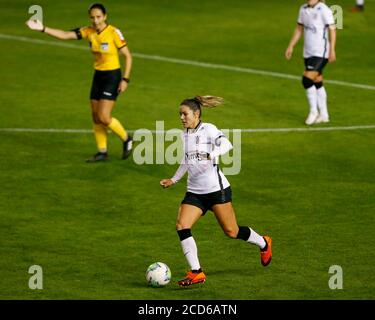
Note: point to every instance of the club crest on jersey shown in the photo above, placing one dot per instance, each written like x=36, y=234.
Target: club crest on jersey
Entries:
x=104, y=46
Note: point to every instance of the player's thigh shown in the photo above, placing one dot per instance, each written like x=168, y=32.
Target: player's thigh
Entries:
x=319, y=78
x=187, y=216
x=226, y=217
x=311, y=74
x=94, y=110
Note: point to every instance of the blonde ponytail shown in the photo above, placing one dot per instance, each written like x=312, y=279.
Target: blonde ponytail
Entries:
x=209, y=101
x=197, y=102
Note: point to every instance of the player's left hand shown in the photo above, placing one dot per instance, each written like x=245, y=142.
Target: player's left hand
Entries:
x=122, y=86
x=332, y=56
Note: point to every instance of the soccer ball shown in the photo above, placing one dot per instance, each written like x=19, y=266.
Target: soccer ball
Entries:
x=158, y=274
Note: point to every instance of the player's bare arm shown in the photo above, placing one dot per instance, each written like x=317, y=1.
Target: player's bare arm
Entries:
x=128, y=66
x=332, y=51
x=295, y=38
x=37, y=25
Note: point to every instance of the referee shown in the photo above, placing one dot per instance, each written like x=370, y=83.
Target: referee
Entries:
x=106, y=42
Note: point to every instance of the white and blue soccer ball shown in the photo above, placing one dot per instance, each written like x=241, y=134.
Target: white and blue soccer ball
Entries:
x=158, y=274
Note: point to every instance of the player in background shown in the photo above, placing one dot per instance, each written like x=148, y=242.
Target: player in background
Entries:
x=106, y=42
x=359, y=6
x=316, y=22
x=207, y=187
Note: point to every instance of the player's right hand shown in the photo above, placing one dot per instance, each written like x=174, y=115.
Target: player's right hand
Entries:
x=288, y=53
x=165, y=183
x=35, y=25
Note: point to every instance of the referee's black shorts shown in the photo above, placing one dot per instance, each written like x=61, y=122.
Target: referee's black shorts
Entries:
x=105, y=84
x=315, y=64
x=208, y=200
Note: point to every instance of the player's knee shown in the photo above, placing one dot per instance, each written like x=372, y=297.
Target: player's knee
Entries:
x=181, y=226
x=231, y=232
x=104, y=119
x=307, y=82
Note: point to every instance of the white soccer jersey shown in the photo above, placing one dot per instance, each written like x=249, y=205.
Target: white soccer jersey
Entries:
x=204, y=176
x=315, y=21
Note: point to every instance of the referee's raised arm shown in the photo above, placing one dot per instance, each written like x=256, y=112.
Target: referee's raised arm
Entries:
x=37, y=25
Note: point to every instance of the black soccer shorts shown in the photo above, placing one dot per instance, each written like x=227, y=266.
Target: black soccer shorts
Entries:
x=208, y=200
x=315, y=64
x=105, y=84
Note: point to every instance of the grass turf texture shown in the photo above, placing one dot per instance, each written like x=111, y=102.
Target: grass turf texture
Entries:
x=94, y=229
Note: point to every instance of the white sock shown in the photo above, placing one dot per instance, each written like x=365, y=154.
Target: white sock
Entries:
x=313, y=99
x=190, y=251
x=256, y=239
x=360, y=2
x=322, y=102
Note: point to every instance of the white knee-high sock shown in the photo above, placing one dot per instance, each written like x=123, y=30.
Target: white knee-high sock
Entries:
x=312, y=97
x=360, y=2
x=190, y=250
x=256, y=239
x=322, y=102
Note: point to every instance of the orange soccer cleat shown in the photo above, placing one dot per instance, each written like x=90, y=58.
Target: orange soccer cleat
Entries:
x=192, y=278
x=266, y=255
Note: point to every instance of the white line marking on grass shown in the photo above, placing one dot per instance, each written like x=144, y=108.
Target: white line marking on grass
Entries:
x=191, y=63
x=266, y=130
x=309, y=129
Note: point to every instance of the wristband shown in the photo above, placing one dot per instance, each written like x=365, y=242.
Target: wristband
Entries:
x=126, y=79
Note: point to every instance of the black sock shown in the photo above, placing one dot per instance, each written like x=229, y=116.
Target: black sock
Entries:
x=243, y=233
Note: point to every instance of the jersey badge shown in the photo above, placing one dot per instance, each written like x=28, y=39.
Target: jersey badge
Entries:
x=104, y=46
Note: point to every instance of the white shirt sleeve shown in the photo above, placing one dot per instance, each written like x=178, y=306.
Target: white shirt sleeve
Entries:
x=180, y=172
x=300, y=16
x=222, y=146
x=213, y=132
x=327, y=15
x=182, y=168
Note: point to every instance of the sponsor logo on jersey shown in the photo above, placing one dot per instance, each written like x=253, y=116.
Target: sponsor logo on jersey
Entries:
x=196, y=156
x=311, y=28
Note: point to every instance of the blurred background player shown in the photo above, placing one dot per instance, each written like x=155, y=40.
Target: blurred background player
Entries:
x=106, y=42
x=207, y=187
x=360, y=6
x=314, y=20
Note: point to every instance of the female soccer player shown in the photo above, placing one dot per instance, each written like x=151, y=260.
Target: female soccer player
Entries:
x=207, y=187
x=106, y=42
x=315, y=18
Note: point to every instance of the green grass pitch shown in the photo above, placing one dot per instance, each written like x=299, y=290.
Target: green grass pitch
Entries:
x=94, y=229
